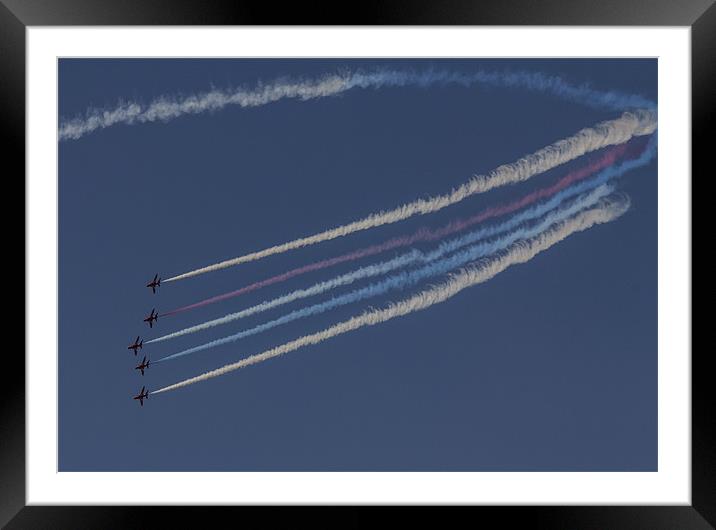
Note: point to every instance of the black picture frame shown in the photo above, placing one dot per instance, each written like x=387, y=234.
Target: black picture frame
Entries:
x=16, y=15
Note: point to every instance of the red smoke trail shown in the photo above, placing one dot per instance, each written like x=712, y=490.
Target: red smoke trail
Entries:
x=627, y=150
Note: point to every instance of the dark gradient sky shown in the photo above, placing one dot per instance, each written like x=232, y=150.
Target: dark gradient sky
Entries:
x=550, y=366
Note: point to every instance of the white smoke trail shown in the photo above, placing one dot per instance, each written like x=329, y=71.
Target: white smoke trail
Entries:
x=520, y=252
x=166, y=108
x=604, y=134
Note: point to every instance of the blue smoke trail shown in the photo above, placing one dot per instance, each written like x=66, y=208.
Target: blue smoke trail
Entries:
x=532, y=81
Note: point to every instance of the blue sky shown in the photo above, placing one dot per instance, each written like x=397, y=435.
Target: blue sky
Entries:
x=550, y=366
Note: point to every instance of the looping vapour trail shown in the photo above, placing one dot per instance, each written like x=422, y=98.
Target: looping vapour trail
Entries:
x=612, y=132
x=166, y=108
x=425, y=234
x=520, y=252
x=416, y=256
x=405, y=279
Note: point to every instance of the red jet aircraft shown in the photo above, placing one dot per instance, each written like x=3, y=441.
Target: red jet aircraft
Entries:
x=155, y=283
x=143, y=394
x=143, y=365
x=137, y=345
x=151, y=318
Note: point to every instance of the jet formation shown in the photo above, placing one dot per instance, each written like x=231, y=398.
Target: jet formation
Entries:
x=139, y=342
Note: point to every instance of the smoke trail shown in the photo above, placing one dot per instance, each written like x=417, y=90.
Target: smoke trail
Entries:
x=166, y=108
x=409, y=278
x=531, y=81
x=520, y=252
x=604, y=134
x=404, y=260
x=416, y=256
x=424, y=234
